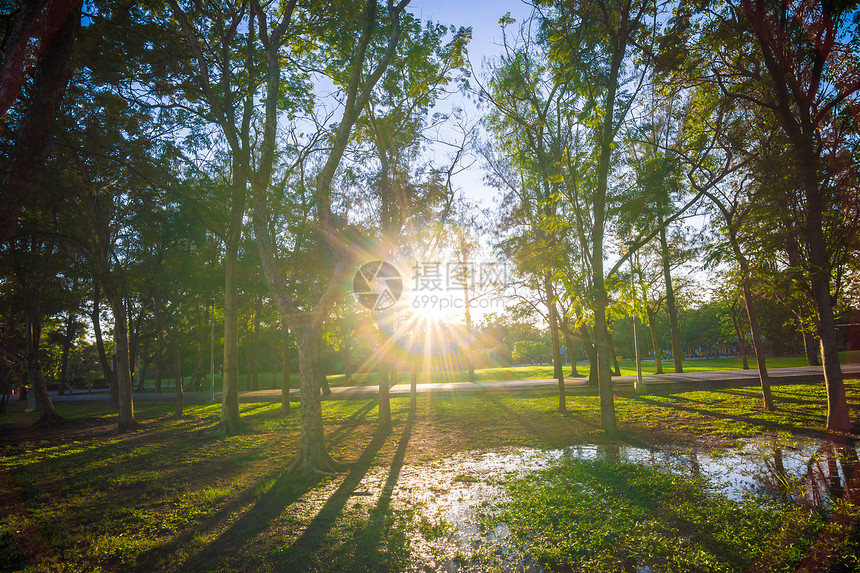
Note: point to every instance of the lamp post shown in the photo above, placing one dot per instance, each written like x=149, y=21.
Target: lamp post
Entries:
x=212, y=349
x=639, y=386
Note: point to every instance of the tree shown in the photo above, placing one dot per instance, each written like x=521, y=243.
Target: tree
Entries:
x=659, y=186
x=730, y=199
x=306, y=314
x=729, y=295
x=652, y=297
x=798, y=70
x=528, y=101
x=110, y=159
x=44, y=31
x=395, y=124
x=34, y=264
x=529, y=351
x=590, y=45
x=225, y=83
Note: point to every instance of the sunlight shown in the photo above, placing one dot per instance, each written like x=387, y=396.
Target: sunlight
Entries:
x=432, y=309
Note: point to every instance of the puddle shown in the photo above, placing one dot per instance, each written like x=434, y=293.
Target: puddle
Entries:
x=450, y=496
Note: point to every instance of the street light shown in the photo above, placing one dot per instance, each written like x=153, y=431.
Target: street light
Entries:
x=639, y=386
x=212, y=349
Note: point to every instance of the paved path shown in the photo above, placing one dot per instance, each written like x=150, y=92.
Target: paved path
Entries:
x=573, y=386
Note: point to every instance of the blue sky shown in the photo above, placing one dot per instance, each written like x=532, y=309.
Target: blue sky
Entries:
x=483, y=17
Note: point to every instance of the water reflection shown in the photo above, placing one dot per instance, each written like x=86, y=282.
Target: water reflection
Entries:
x=829, y=470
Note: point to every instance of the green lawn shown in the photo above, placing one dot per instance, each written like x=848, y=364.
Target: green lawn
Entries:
x=605, y=515
x=628, y=368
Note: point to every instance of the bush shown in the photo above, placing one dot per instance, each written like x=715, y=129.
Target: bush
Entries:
x=528, y=351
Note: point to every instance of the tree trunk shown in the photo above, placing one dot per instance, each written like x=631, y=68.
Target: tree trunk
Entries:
x=177, y=365
x=757, y=345
x=108, y=372
x=140, y=372
x=616, y=368
x=568, y=342
x=144, y=370
x=591, y=351
x=127, y=421
x=838, y=419
x=413, y=388
x=384, y=420
x=47, y=414
x=64, y=359
x=230, y=422
x=652, y=326
x=739, y=332
x=159, y=360
x=558, y=367
x=113, y=384
x=200, y=343
x=255, y=348
x=132, y=338
x=810, y=344
x=312, y=456
x=386, y=322
x=767, y=398
x=671, y=308
x=604, y=376
x=323, y=377
x=285, y=383
x=347, y=361
x=467, y=301
x=810, y=348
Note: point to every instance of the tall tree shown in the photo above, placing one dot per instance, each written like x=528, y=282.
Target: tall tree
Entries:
x=395, y=124
x=798, y=69
x=109, y=158
x=591, y=44
x=528, y=103
x=44, y=31
x=33, y=262
x=221, y=43
x=306, y=315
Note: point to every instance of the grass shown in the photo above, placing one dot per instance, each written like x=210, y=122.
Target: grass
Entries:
x=175, y=496
x=607, y=516
x=267, y=381
x=541, y=372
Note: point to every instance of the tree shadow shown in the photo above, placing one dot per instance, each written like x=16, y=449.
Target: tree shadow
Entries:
x=735, y=418
x=351, y=422
x=781, y=397
x=370, y=542
x=286, y=490
x=297, y=555
x=526, y=423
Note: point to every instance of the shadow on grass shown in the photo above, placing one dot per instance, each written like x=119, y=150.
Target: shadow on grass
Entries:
x=370, y=542
x=350, y=423
x=780, y=395
x=769, y=425
x=540, y=432
x=298, y=555
x=286, y=490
